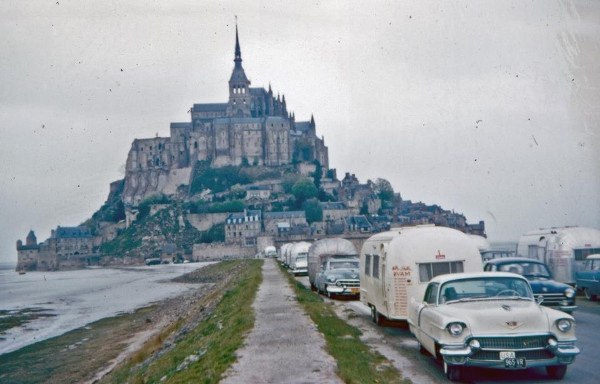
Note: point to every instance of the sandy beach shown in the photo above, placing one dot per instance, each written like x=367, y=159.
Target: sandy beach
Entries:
x=66, y=300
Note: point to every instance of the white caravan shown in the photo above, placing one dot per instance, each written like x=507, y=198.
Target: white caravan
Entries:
x=270, y=251
x=397, y=265
x=298, y=258
x=283, y=251
x=563, y=249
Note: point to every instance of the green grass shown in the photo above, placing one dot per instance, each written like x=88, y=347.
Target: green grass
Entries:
x=214, y=341
x=11, y=319
x=356, y=362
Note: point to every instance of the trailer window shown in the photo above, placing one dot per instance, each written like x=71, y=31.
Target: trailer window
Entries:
x=368, y=265
x=376, y=266
x=427, y=271
x=581, y=254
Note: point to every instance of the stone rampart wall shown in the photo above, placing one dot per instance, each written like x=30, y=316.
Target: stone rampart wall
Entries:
x=221, y=251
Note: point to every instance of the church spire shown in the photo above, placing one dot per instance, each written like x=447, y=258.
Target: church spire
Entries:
x=238, y=51
x=239, y=85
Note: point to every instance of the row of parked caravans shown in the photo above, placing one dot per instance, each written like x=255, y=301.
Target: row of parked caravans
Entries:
x=391, y=268
x=332, y=265
x=395, y=266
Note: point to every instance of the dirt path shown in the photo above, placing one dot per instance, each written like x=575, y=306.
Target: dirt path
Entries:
x=284, y=346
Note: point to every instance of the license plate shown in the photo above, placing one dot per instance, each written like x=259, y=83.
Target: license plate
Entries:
x=355, y=290
x=507, y=355
x=514, y=362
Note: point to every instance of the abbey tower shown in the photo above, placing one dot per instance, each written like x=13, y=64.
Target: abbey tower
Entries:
x=253, y=127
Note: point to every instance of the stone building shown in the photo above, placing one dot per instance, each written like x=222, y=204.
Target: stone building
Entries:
x=243, y=227
x=286, y=223
x=253, y=127
x=67, y=247
x=28, y=254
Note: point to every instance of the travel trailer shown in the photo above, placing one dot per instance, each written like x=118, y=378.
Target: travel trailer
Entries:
x=270, y=251
x=333, y=267
x=297, y=260
x=397, y=265
x=282, y=256
x=563, y=249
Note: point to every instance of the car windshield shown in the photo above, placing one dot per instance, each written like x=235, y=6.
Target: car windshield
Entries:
x=485, y=288
x=343, y=265
x=526, y=269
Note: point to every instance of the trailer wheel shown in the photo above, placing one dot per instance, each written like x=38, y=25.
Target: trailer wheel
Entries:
x=375, y=316
x=588, y=295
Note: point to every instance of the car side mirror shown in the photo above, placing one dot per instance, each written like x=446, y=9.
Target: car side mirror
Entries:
x=539, y=299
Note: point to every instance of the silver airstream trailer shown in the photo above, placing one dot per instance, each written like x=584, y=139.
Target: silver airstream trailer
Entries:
x=397, y=265
x=563, y=249
x=333, y=267
x=297, y=258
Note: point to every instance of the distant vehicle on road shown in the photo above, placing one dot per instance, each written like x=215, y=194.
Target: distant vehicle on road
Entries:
x=397, y=265
x=555, y=294
x=153, y=261
x=588, y=279
x=270, y=251
x=333, y=267
x=563, y=249
x=491, y=320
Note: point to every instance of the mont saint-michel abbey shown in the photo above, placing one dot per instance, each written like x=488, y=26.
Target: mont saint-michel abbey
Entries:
x=253, y=126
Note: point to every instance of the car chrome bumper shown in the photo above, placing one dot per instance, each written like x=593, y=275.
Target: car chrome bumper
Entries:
x=461, y=355
x=567, y=308
x=343, y=290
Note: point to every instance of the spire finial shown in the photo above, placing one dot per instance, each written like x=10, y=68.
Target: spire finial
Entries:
x=238, y=52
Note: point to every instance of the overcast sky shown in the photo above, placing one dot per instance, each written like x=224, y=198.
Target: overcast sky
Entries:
x=488, y=108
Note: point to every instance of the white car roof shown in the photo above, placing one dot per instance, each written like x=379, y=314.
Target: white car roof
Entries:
x=459, y=276
x=594, y=256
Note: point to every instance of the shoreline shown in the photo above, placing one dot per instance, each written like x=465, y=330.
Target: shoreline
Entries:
x=42, y=305
x=91, y=352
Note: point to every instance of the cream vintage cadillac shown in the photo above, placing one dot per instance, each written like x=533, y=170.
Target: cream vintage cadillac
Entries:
x=491, y=320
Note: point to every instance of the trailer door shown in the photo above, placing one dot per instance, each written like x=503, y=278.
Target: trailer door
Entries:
x=383, y=283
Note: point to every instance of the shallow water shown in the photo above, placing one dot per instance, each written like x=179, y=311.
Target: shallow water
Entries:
x=77, y=298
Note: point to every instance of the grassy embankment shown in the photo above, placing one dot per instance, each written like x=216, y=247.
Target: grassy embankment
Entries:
x=211, y=326
x=204, y=353
x=356, y=362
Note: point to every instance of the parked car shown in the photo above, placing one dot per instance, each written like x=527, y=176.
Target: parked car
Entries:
x=491, y=320
x=588, y=279
x=339, y=276
x=555, y=294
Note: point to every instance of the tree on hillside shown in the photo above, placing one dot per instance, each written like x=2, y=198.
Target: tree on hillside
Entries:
x=312, y=210
x=383, y=189
x=317, y=174
x=303, y=190
x=288, y=181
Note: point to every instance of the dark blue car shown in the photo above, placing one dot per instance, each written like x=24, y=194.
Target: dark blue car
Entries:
x=555, y=295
